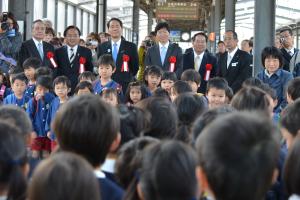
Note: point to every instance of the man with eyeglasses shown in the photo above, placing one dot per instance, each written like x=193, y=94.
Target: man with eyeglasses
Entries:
x=287, y=50
x=235, y=65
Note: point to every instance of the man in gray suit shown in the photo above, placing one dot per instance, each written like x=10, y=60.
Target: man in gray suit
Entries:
x=165, y=54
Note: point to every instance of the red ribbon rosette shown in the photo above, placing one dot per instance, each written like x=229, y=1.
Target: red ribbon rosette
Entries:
x=125, y=67
x=172, y=61
x=50, y=56
x=82, y=61
x=208, y=68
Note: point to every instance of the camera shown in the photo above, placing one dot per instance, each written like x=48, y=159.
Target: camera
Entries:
x=149, y=43
x=4, y=23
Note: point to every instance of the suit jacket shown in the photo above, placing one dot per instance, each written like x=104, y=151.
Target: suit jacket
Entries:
x=126, y=48
x=153, y=58
x=29, y=49
x=239, y=69
x=208, y=58
x=64, y=65
x=286, y=58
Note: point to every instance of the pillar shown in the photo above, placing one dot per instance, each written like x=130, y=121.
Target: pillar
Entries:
x=101, y=15
x=135, y=21
x=230, y=15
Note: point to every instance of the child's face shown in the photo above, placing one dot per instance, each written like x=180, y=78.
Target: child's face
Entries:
x=153, y=80
x=105, y=71
x=40, y=90
x=135, y=94
x=83, y=91
x=173, y=94
x=61, y=90
x=167, y=84
x=272, y=64
x=216, y=97
x=111, y=99
x=29, y=73
x=19, y=87
x=193, y=85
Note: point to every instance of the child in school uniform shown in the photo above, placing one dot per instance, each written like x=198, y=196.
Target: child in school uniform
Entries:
x=18, y=97
x=178, y=88
x=4, y=89
x=136, y=91
x=193, y=78
x=29, y=66
x=38, y=107
x=152, y=77
x=86, y=76
x=62, y=86
x=216, y=92
x=167, y=80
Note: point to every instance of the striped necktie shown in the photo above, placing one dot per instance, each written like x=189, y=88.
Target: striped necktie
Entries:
x=72, y=56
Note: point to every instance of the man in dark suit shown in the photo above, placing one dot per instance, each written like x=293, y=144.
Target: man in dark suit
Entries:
x=161, y=53
x=235, y=65
x=197, y=58
x=70, y=56
x=120, y=49
x=287, y=50
x=36, y=47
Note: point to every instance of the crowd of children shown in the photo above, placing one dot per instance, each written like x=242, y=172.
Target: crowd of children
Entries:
x=161, y=139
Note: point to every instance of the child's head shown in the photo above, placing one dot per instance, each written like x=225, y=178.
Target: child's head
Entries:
x=84, y=87
x=19, y=84
x=229, y=95
x=237, y=156
x=178, y=88
x=106, y=66
x=152, y=76
x=193, y=78
x=110, y=96
x=293, y=90
x=135, y=92
x=290, y=126
x=62, y=86
x=252, y=82
x=271, y=93
x=13, y=72
x=160, y=92
x=216, y=92
x=43, y=71
x=167, y=80
x=29, y=66
x=43, y=85
x=272, y=59
x=87, y=76
x=64, y=176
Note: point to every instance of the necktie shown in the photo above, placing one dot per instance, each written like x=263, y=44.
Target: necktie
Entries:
x=197, y=63
x=163, y=54
x=72, y=55
x=228, y=60
x=291, y=53
x=40, y=50
x=115, y=52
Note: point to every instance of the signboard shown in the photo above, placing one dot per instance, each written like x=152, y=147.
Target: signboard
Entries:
x=177, y=10
x=175, y=36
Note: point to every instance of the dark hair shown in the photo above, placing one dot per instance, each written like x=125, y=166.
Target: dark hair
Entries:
x=229, y=93
x=290, y=118
x=143, y=88
x=169, y=76
x=158, y=180
x=160, y=92
x=37, y=21
x=12, y=17
x=152, y=33
x=191, y=75
x=82, y=85
x=130, y=157
x=235, y=36
x=267, y=89
x=189, y=107
x=180, y=87
x=64, y=176
x=108, y=92
x=62, y=80
x=21, y=77
x=221, y=42
x=13, y=157
x=32, y=62
x=87, y=75
x=163, y=119
x=44, y=81
x=152, y=70
x=286, y=28
x=94, y=36
x=218, y=83
x=114, y=19
x=55, y=41
x=252, y=82
x=293, y=88
x=43, y=71
x=50, y=30
x=162, y=25
x=243, y=149
x=76, y=131
x=71, y=27
x=200, y=33
x=106, y=59
x=271, y=52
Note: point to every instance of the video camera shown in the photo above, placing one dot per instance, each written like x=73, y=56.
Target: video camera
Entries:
x=149, y=43
x=4, y=23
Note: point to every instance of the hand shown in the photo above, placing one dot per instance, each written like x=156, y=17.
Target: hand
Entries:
x=49, y=134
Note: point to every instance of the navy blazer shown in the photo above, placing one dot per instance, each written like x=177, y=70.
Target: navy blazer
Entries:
x=126, y=48
x=239, y=69
x=64, y=65
x=208, y=58
x=153, y=58
x=29, y=49
x=109, y=190
x=286, y=58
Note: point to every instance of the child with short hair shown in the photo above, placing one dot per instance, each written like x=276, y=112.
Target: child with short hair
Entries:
x=110, y=96
x=293, y=90
x=178, y=88
x=29, y=66
x=43, y=71
x=38, y=107
x=136, y=91
x=167, y=80
x=193, y=78
x=84, y=87
x=87, y=76
x=18, y=97
x=152, y=77
x=216, y=92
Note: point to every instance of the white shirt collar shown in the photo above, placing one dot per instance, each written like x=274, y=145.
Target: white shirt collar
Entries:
x=109, y=165
x=233, y=52
x=201, y=54
x=36, y=42
x=118, y=43
x=291, y=50
x=165, y=45
x=268, y=74
x=74, y=48
x=99, y=174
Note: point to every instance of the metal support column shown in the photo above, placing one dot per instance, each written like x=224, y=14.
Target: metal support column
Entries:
x=150, y=17
x=264, y=29
x=212, y=22
x=135, y=21
x=217, y=23
x=100, y=16
x=230, y=15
